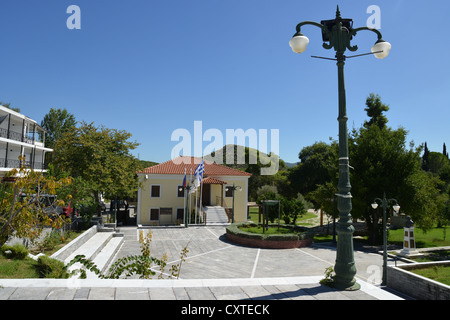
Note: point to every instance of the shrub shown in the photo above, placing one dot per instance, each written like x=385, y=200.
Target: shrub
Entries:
x=16, y=251
x=51, y=268
x=300, y=233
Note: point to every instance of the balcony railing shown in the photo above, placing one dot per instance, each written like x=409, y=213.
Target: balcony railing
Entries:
x=16, y=136
x=15, y=164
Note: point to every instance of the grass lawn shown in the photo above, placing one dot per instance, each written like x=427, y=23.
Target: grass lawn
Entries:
x=436, y=273
x=24, y=269
x=431, y=238
x=17, y=269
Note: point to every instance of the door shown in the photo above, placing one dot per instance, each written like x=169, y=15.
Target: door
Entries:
x=206, y=195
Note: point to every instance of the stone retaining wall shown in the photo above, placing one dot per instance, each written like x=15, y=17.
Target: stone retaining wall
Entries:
x=401, y=279
x=68, y=249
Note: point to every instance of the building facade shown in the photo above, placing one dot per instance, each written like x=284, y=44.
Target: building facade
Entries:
x=21, y=137
x=163, y=201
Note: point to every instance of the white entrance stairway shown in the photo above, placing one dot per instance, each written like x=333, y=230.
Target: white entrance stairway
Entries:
x=216, y=215
x=99, y=246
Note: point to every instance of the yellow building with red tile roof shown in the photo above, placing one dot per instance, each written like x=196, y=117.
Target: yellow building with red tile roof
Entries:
x=163, y=201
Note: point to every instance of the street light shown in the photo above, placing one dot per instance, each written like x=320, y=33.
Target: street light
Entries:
x=385, y=205
x=234, y=188
x=337, y=34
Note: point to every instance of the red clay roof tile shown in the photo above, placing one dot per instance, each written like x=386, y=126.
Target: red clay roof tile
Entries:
x=182, y=163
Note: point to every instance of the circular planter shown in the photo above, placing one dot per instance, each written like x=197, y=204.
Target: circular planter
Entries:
x=272, y=241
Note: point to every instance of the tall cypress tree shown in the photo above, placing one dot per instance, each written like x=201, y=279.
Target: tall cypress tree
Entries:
x=425, y=160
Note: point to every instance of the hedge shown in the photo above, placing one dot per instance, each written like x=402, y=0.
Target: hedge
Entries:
x=16, y=251
x=234, y=229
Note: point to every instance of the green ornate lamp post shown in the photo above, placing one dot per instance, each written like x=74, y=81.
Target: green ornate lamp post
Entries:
x=337, y=34
x=385, y=205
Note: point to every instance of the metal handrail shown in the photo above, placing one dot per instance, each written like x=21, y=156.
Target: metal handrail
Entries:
x=15, y=164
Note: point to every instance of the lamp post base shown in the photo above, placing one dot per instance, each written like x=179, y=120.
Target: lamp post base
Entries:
x=345, y=268
x=352, y=286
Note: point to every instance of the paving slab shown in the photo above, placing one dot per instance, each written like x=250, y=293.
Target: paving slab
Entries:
x=180, y=293
x=322, y=292
x=257, y=292
x=27, y=293
x=82, y=294
x=102, y=294
x=229, y=293
x=162, y=294
x=293, y=292
x=132, y=293
x=5, y=293
x=62, y=294
x=200, y=293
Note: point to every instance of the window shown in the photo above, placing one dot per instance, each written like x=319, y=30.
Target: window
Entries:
x=167, y=211
x=154, y=214
x=229, y=191
x=155, y=191
x=180, y=194
x=180, y=214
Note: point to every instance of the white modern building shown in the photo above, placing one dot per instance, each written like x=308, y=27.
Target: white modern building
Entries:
x=20, y=135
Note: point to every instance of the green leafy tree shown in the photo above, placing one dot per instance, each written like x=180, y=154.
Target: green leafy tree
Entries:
x=100, y=157
x=56, y=122
x=24, y=206
x=323, y=198
x=381, y=162
x=439, y=165
x=423, y=199
x=384, y=164
x=292, y=209
x=374, y=109
x=318, y=165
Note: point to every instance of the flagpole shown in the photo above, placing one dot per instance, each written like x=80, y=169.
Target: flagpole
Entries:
x=190, y=200
x=201, y=197
x=201, y=192
x=184, y=199
x=196, y=207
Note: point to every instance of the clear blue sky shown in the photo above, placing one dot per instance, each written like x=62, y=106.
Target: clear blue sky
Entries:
x=150, y=67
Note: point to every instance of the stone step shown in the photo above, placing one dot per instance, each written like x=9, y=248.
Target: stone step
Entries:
x=215, y=215
x=90, y=248
x=105, y=256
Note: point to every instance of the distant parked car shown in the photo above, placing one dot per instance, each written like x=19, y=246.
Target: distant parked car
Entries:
x=68, y=210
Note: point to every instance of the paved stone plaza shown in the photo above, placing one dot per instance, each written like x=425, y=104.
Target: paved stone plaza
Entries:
x=214, y=269
x=212, y=256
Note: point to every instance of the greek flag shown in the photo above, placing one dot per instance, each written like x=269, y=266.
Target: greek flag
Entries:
x=200, y=170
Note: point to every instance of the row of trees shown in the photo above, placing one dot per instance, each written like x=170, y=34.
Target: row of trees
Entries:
x=382, y=161
x=97, y=159
x=88, y=162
